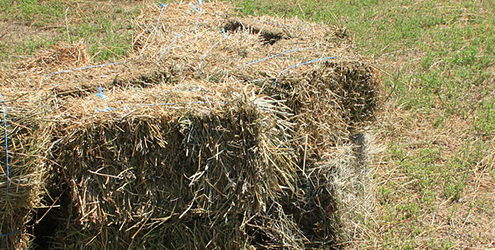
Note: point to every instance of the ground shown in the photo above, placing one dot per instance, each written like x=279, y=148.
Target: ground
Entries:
x=435, y=177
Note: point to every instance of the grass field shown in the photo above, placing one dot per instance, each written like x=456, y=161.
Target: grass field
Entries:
x=435, y=179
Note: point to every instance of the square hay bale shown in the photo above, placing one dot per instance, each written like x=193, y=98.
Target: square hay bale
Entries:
x=182, y=171
x=219, y=131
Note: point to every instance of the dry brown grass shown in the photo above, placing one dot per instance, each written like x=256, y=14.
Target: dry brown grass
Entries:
x=461, y=220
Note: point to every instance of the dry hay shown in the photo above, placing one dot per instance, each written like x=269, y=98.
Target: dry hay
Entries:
x=59, y=56
x=247, y=137
x=21, y=182
x=192, y=164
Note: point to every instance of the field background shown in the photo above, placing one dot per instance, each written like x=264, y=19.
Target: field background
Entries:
x=435, y=178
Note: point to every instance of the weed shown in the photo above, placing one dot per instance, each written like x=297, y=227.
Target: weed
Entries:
x=485, y=121
x=453, y=188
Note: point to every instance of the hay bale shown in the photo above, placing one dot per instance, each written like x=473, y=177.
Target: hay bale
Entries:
x=145, y=172
x=218, y=132
x=23, y=169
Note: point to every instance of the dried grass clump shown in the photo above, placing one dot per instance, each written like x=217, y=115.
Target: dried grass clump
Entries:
x=60, y=55
x=217, y=132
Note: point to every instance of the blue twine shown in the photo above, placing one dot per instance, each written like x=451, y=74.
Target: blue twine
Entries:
x=224, y=33
x=301, y=64
x=106, y=109
x=100, y=94
x=6, y=144
x=197, y=9
x=82, y=68
x=270, y=57
x=160, y=16
x=7, y=234
x=204, y=57
x=170, y=45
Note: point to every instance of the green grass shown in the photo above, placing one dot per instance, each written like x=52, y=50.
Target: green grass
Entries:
x=112, y=26
x=106, y=27
x=32, y=12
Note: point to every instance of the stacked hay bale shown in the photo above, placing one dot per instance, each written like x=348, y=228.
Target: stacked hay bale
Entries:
x=188, y=169
x=25, y=138
x=218, y=132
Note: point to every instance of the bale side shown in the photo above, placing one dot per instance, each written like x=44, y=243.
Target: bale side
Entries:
x=22, y=185
x=206, y=174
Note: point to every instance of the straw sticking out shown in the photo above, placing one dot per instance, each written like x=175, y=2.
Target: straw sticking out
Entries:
x=83, y=68
x=279, y=54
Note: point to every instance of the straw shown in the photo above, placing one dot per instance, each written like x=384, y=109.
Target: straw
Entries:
x=279, y=54
x=204, y=57
x=83, y=68
x=300, y=64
